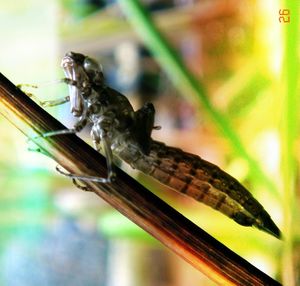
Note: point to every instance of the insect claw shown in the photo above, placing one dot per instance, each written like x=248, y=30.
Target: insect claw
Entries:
x=83, y=188
x=112, y=178
x=59, y=170
x=46, y=103
x=21, y=85
x=39, y=150
x=36, y=149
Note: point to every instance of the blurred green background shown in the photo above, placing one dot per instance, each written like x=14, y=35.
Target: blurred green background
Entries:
x=224, y=81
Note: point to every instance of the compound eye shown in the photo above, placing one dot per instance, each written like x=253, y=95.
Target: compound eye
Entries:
x=94, y=70
x=91, y=66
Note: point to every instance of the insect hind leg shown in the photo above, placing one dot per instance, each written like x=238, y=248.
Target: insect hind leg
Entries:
x=85, y=178
x=109, y=159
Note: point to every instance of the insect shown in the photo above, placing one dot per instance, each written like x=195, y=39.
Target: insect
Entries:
x=125, y=133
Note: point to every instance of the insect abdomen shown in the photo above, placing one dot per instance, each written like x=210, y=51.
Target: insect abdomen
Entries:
x=207, y=183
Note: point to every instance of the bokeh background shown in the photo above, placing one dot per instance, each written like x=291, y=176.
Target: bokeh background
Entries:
x=243, y=116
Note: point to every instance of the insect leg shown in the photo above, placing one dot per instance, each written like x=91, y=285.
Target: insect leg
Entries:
x=109, y=160
x=58, y=132
x=55, y=102
x=77, y=128
x=109, y=157
x=109, y=179
x=49, y=103
x=39, y=150
x=81, y=187
x=85, y=178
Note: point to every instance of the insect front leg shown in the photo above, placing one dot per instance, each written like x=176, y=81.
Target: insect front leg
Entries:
x=49, y=103
x=59, y=101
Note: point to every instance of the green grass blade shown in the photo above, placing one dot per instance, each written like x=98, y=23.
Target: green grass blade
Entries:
x=289, y=132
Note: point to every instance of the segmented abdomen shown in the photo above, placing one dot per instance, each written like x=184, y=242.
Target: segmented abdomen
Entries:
x=189, y=174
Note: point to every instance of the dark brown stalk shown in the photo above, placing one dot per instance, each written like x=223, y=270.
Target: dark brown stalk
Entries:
x=128, y=196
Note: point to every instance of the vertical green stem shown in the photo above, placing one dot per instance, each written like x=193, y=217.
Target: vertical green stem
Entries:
x=186, y=82
x=289, y=130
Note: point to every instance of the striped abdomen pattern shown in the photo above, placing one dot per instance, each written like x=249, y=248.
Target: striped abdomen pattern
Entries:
x=205, y=182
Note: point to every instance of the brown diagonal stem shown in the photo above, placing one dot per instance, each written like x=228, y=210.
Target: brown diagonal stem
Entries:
x=128, y=196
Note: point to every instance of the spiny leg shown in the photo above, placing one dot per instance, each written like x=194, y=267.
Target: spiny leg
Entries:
x=109, y=157
x=97, y=134
x=81, y=187
x=49, y=103
x=109, y=161
x=77, y=128
x=57, y=132
x=55, y=102
x=84, y=178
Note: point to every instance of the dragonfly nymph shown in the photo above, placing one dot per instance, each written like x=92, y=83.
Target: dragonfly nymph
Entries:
x=125, y=133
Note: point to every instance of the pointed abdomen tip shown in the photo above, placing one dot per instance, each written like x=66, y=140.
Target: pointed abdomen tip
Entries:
x=269, y=226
